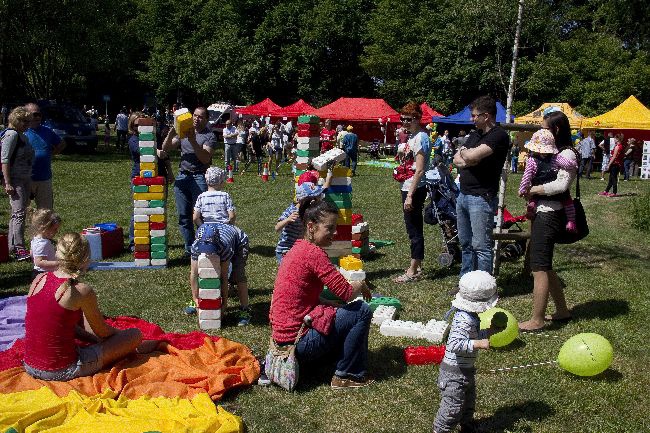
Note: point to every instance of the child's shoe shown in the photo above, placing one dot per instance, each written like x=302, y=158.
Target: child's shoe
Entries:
x=190, y=309
x=571, y=227
x=21, y=254
x=244, y=317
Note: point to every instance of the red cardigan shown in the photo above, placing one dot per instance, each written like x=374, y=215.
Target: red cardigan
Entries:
x=304, y=270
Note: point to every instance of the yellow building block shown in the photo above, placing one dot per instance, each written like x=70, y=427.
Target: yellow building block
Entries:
x=147, y=166
x=351, y=263
x=141, y=240
x=141, y=233
x=156, y=188
x=140, y=226
x=345, y=217
x=148, y=196
x=157, y=218
x=340, y=171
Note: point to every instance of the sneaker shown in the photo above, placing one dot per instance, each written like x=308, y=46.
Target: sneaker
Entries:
x=603, y=193
x=190, y=309
x=341, y=383
x=21, y=254
x=244, y=317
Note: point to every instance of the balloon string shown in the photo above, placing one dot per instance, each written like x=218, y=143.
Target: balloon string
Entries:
x=519, y=367
x=539, y=334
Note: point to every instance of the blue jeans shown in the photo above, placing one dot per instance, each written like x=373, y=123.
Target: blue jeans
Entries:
x=351, y=157
x=348, y=338
x=475, y=224
x=186, y=190
x=627, y=169
x=514, y=164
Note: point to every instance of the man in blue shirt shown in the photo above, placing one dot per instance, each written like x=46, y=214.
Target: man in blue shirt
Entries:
x=351, y=148
x=45, y=143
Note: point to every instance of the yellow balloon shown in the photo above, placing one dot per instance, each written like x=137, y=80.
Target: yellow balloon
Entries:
x=511, y=331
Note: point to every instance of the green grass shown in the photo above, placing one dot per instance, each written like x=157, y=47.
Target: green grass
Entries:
x=607, y=277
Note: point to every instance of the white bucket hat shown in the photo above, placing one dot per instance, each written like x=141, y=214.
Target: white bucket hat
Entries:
x=214, y=176
x=477, y=292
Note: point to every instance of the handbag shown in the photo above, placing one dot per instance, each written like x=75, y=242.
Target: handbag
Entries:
x=404, y=170
x=582, y=228
x=281, y=365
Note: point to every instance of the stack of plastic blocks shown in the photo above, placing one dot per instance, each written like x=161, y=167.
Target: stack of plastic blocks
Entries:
x=332, y=155
x=308, y=146
x=435, y=330
x=401, y=328
x=340, y=194
x=209, y=308
x=360, y=236
x=383, y=313
x=149, y=203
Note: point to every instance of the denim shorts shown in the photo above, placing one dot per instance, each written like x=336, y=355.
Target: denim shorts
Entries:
x=90, y=361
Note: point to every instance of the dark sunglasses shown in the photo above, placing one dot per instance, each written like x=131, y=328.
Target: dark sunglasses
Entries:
x=406, y=119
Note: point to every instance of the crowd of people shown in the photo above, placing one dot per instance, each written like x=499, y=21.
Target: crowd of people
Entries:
x=58, y=301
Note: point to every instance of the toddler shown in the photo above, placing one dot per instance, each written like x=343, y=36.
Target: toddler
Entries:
x=289, y=224
x=477, y=293
x=214, y=205
x=107, y=133
x=45, y=225
x=541, y=167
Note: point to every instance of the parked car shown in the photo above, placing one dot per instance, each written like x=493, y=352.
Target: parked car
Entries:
x=69, y=123
x=219, y=113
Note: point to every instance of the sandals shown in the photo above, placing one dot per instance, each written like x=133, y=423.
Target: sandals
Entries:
x=406, y=278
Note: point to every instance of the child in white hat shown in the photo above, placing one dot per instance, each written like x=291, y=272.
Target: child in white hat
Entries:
x=477, y=293
x=541, y=167
x=214, y=205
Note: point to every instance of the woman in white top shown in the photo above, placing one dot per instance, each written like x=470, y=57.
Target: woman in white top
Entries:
x=549, y=223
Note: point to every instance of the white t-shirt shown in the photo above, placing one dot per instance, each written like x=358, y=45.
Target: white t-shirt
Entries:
x=419, y=143
x=42, y=247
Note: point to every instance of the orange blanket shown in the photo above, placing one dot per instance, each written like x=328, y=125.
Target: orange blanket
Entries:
x=213, y=368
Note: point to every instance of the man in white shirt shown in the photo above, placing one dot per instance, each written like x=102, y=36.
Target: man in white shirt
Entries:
x=229, y=143
x=586, y=148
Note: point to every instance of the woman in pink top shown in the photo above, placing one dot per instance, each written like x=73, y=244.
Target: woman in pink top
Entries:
x=304, y=271
x=60, y=309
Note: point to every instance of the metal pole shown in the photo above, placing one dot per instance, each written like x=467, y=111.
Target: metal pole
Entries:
x=504, y=171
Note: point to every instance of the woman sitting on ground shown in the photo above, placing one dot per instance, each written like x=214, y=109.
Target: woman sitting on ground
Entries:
x=304, y=270
x=60, y=309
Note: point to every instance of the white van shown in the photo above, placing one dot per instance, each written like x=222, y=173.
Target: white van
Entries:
x=219, y=113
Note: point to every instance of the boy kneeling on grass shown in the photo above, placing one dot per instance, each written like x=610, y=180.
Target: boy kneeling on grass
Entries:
x=230, y=245
x=477, y=293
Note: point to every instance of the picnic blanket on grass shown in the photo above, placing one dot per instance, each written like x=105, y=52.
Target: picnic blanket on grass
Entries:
x=12, y=320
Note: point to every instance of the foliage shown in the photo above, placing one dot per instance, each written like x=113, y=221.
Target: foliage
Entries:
x=640, y=212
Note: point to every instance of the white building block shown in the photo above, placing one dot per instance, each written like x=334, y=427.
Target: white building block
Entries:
x=145, y=128
x=359, y=275
x=209, y=293
x=401, y=328
x=383, y=313
x=147, y=158
x=158, y=262
x=157, y=233
x=207, y=324
x=308, y=143
x=147, y=143
x=434, y=331
x=141, y=203
x=142, y=262
x=340, y=180
x=360, y=228
x=302, y=160
x=339, y=252
x=149, y=211
x=209, y=314
x=337, y=245
x=141, y=218
x=208, y=273
x=205, y=260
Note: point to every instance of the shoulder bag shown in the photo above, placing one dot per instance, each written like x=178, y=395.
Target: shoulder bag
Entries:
x=281, y=365
x=581, y=219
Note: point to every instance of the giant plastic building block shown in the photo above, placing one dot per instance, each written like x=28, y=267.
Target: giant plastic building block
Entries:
x=435, y=330
x=383, y=313
x=401, y=328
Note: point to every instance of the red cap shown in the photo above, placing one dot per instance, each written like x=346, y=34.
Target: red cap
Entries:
x=308, y=176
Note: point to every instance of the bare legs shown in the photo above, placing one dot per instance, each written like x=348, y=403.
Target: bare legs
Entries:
x=545, y=283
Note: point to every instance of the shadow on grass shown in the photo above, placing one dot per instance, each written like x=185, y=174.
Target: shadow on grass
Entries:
x=372, y=257
x=383, y=273
x=440, y=272
x=601, y=309
x=592, y=256
x=15, y=283
x=506, y=418
x=263, y=250
x=610, y=376
x=516, y=283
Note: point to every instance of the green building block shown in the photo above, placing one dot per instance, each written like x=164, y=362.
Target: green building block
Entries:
x=159, y=240
x=147, y=151
x=308, y=118
x=157, y=203
x=385, y=300
x=158, y=254
x=140, y=188
x=308, y=153
x=146, y=136
x=158, y=248
x=209, y=283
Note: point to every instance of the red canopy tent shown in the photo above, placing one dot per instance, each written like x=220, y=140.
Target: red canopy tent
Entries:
x=262, y=108
x=363, y=114
x=427, y=113
x=294, y=110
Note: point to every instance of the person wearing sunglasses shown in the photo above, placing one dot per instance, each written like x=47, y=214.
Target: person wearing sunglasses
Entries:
x=413, y=189
x=479, y=164
x=45, y=144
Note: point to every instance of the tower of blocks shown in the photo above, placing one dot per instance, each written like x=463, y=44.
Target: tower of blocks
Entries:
x=308, y=142
x=209, y=308
x=149, y=202
x=360, y=235
x=340, y=194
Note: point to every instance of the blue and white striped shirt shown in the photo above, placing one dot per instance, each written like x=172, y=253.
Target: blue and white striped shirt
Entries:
x=465, y=327
x=214, y=206
x=291, y=232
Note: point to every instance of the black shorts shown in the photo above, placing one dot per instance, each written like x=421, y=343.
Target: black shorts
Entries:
x=546, y=228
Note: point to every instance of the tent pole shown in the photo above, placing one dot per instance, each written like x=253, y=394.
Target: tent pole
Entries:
x=504, y=171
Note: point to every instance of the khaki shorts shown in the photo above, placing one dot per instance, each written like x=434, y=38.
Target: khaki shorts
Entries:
x=90, y=361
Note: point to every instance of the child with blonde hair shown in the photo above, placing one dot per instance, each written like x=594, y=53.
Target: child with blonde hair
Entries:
x=44, y=227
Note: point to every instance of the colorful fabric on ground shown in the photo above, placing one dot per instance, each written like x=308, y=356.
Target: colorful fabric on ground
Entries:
x=42, y=410
x=12, y=320
x=213, y=368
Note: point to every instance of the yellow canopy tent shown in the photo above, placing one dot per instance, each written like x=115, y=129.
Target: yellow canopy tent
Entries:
x=630, y=114
x=535, y=118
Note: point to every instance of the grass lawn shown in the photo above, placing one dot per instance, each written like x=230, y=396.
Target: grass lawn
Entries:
x=607, y=277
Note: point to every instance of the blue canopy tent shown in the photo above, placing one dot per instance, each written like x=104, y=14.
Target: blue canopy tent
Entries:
x=464, y=117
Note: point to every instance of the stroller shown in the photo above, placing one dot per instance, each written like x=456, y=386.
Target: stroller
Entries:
x=514, y=246
x=442, y=190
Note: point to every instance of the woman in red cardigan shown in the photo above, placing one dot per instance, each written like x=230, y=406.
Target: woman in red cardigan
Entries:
x=341, y=329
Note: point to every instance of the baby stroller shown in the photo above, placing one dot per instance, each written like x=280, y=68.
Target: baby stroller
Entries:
x=442, y=210
x=373, y=149
x=514, y=245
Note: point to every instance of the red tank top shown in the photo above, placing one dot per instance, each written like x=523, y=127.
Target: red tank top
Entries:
x=50, y=329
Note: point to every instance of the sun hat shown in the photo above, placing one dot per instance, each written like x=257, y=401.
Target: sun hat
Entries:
x=349, y=128
x=308, y=176
x=477, y=292
x=542, y=141
x=308, y=189
x=208, y=240
x=214, y=176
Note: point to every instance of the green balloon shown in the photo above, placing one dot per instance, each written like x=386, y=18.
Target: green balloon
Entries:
x=496, y=315
x=586, y=354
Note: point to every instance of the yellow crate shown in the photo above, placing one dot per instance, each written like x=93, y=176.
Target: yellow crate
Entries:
x=341, y=172
x=351, y=263
x=141, y=240
x=156, y=188
x=141, y=233
x=147, y=166
x=148, y=196
x=157, y=218
x=148, y=173
x=345, y=217
x=140, y=226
